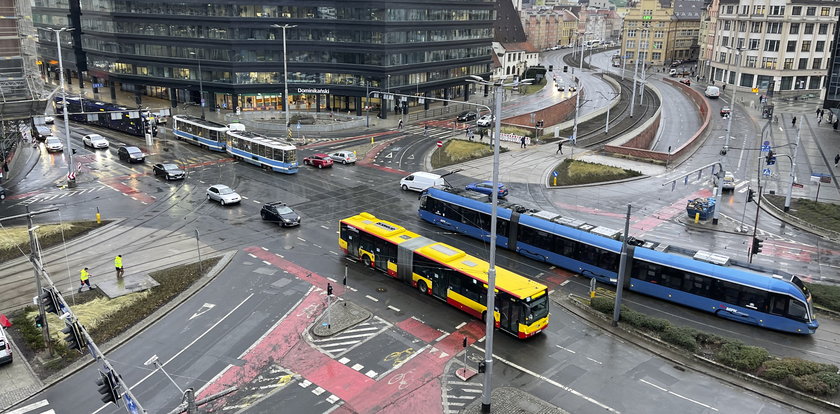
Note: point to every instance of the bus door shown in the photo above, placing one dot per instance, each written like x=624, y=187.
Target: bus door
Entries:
x=351, y=236
x=440, y=285
x=380, y=260
x=510, y=313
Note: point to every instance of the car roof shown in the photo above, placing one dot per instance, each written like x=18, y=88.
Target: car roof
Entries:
x=219, y=186
x=320, y=154
x=275, y=203
x=168, y=165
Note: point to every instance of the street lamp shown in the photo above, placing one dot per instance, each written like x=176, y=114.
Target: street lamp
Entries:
x=491, y=271
x=285, y=72
x=154, y=361
x=200, y=83
x=71, y=178
x=580, y=85
x=723, y=163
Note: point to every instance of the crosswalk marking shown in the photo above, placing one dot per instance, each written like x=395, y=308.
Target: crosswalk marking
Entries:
x=30, y=407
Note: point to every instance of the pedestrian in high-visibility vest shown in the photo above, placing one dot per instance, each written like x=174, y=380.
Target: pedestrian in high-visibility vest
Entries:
x=84, y=276
x=118, y=265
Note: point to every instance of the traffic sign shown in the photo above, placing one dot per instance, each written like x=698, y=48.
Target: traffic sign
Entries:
x=765, y=146
x=440, y=144
x=130, y=404
x=766, y=171
x=554, y=173
x=97, y=85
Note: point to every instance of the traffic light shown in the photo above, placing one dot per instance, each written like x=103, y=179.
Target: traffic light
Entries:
x=756, y=246
x=108, y=387
x=771, y=158
x=565, y=68
x=750, y=195
x=329, y=289
x=39, y=321
x=73, y=336
x=50, y=301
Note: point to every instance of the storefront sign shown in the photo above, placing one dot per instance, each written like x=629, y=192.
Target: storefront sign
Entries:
x=313, y=90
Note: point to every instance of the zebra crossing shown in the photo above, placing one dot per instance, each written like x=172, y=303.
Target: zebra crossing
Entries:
x=56, y=195
x=38, y=407
x=458, y=393
x=433, y=131
x=338, y=345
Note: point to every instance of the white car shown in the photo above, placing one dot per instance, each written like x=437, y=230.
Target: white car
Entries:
x=54, y=144
x=95, y=141
x=49, y=120
x=223, y=194
x=485, y=120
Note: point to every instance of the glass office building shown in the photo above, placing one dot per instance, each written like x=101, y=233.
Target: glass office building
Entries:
x=337, y=51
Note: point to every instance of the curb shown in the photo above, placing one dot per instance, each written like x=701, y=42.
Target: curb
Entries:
x=140, y=326
x=697, y=363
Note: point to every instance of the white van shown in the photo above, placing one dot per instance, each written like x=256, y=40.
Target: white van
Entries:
x=712, y=92
x=5, y=348
x=420, y=181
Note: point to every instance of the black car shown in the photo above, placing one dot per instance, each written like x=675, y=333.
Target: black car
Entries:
x=281, y=213
x=131, y=154
x=467, y=116
x=169, y=171
x=2, y=193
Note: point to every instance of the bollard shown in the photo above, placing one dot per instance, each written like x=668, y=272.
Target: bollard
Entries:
x=555, y=181
x=696, y=218
x=371, y=140
x=98, y=216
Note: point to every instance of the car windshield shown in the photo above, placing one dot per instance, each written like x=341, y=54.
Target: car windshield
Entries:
x=133, y=150
x=225, y=190
x=170, y=167
x=97, y=138
x=284, y=210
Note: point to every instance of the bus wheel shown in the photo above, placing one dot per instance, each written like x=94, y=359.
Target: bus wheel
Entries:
x=366, y=260
x=421, y=286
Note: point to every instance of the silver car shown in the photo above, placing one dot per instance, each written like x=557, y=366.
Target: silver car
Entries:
x=344, y=157
x=223, y=194
x=54, y=144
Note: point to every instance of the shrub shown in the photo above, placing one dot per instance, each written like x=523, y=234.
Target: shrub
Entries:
x=781, y=369
x=822, y=383
x=680, y=336
x=30, y=333
x=711, y=340
x=826, y=296
x=742, y=357
x=601, y=304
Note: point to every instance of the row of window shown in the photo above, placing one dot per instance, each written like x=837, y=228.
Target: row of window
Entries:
x=777, y=27
x=666, y=276
x=209, y=9
x=785, y=83
x=779, y=10
x=198, y=31
x=264, y=151
x=720, y=290
x=218, y=136
x=771, y=45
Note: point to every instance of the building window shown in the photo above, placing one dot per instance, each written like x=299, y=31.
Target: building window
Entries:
x=803, y=64
x=794, y=28
x=724, y=41
x=788, y=64
x=786, y=83
x=806, y=46
x=823, y=28
x=825, y=11
x=751, y=61
x=631, y=44
x=811, y=11
x=755, y=27
x=820, y=46
x=727, y=24
x=742, y=26
x=739, y=46
x=797, y=11
x=791, y=46
x=815, y=82
x=774, y=27
x=659, y=34
x=722, y=57
x=730, y=9
x=657, y=45
x=754, y=44
x=744, y=9
x=771, y=45
x=837, y=12
x=647, y=12
x=758, y=10
x=768, y=63
x=816, y=64
x=809, y=28
x=657, y=56
x=777, y=10
x=631, y=33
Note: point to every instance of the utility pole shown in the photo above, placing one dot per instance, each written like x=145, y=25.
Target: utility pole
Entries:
x=633, y=94
x=622, y=269
x=190, y=406
x=792, y=170
x=724, y=166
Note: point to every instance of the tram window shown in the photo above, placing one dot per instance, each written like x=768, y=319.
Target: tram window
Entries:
x=587, y=254
x=777, y=304
x=527, y=235
x=675, y=278
x=565, y=246
x=753, y=299
x=796, y=310
x=698, y=285
x=483, y=221
x=608, y=261
x=469, y=217
x=452, y=212
x=501, y=227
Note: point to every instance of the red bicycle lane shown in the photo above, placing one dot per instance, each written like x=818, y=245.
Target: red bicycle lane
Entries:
x=415, y=385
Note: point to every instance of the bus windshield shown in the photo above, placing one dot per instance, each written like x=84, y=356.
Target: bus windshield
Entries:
x=537, y=309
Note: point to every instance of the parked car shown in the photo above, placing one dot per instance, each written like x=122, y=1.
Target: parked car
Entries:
x=223, y=194
x=486, y=187
x=466, y=116
x=169, y=171
x=5, y=348
x=2, y=193
x=319, y=160
x=485, y=120
x=54, y=144
x=281, y=213
x=344, y=157
x=131, y=154
x=95, y=141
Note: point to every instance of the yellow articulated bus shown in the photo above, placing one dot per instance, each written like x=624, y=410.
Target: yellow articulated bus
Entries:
x=446, y=273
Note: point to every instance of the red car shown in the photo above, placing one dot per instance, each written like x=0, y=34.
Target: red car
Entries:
x=319, y=160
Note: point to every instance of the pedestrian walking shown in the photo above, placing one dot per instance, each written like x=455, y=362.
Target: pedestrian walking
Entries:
x=481, y=134
x=559, y=147
x=522, y=143
x=470, y=135
x=836, y=159
x=819, y=120
x=119, y=266
x=400, y=125
x=426, y=130
x=793, y=122
x=818, y=112
x=84, y=276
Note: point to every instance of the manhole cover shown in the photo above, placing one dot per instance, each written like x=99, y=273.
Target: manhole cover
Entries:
x=380, y=290
x=288, y=247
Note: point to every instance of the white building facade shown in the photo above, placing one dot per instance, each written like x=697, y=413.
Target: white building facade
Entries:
x=785, y=44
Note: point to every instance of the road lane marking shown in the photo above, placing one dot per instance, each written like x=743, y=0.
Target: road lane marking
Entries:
x=678, y=395
x=372, y=298
x=30, y=407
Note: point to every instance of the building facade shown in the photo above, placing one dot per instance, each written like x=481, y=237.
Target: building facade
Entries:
x=335, y=50
x=645, y=33
x=787, y=43
x=832, y=92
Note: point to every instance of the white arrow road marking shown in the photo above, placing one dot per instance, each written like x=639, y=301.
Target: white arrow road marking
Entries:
x=204, y=309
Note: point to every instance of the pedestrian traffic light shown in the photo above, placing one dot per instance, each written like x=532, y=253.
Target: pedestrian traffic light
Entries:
x=756, y=246
x=565, y=68
x=50, y=301
x=108, y=386
x=771, y=158
x=39, y=321
x=750, y=195
x=73, y=336
x=329, y=289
